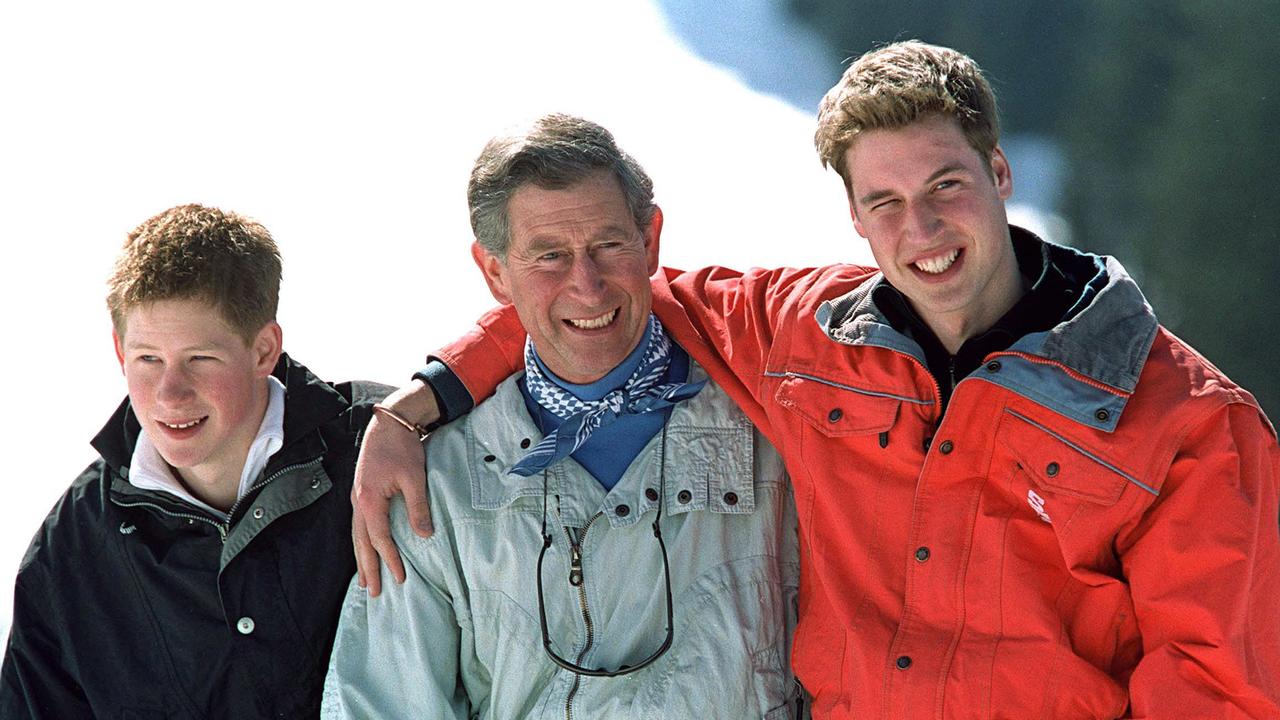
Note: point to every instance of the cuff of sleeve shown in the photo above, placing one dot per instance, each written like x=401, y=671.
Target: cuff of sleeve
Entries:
x=452, y=396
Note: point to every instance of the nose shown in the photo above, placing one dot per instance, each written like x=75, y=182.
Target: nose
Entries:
x=922, y=222
x=586, y=277
x=175, y=385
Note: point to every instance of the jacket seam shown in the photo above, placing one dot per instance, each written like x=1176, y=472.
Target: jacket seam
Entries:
x=1086, y=453
x=861, y=391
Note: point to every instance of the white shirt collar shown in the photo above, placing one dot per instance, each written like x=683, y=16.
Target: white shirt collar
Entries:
x=149, y=471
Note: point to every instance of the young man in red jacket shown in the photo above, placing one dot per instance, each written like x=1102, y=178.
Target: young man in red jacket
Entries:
x=1019, y=495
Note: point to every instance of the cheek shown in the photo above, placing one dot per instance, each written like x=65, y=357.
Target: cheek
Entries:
x=882, y=251
x=230, y=393
x=141, y=389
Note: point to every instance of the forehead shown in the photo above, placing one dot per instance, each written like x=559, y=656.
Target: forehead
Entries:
x=176, y=324
x=585, y=210
x=883, y=159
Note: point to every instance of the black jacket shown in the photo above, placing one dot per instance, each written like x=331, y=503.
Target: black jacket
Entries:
x=133, y=604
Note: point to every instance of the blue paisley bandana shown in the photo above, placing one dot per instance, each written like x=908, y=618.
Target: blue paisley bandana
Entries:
x=640, y=394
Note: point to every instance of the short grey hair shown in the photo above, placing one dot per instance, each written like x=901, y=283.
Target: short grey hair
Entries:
x=553, y=152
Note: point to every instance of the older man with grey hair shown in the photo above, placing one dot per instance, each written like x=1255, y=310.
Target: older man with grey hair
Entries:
x=613, y=538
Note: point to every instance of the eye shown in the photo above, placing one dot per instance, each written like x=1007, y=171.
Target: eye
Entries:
x=147, y=358
x=884, y=205
x=550, y=256
x=946, y=184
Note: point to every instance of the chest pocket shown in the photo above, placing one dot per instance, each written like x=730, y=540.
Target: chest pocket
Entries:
x=836, y=410
x=1057, y=478
x=715, y=470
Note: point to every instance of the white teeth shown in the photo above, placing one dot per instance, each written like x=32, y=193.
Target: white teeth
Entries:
x=182, y=426
x=935, y=265
x=595, y=323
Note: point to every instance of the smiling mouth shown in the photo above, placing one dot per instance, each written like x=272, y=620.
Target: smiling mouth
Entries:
x=185, y=425
x=938, y=264
x=594, y=323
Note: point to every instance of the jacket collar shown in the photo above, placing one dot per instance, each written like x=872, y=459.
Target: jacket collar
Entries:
x=1102, y=344
x=707, y=440
x=309, y=403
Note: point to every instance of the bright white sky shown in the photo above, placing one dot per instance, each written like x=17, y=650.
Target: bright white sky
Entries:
x=350, y=134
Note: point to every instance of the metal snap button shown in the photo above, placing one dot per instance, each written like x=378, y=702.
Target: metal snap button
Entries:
x=651, y=494
x=1102, y=415
x=835, y=415
x=622, y=511
x=245, y=625
x=524, y=443
x=315, y=483
x=490, y=458
x=922, y=554
x=903, y=662
x=994, y=366
x=1052, y=469
x=946, y=447
x=258, y=513
x=684, y=496
x=731, y=498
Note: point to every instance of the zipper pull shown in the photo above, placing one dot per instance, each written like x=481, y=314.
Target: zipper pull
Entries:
x=575, y=566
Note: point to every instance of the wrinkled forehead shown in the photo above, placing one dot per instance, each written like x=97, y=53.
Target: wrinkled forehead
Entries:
x=591, y=209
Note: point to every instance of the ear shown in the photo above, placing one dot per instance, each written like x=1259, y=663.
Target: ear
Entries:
x=1001, y=173
x=119, y=345
x=651, y=237
x=495, y=273
x=267, y=346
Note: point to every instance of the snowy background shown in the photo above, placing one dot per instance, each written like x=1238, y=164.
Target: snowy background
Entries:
x=350, y=133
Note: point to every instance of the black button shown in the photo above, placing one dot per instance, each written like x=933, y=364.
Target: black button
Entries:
x=731, y=498
x=1102, y=415
x=946, y=447
x=524, y=444
x=1052, y=470
x=489, y=458
x=622, y=511
x=922, y=553
x=927, y=442
x=651, y=494
x=684, y=496
x=994, y=366
x=903, y=662
x=835, y=415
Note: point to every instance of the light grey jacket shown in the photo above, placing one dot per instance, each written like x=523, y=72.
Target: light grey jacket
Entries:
x=461, y=637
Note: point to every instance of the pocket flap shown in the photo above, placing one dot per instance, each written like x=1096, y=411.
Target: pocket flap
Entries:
x=1059, y=465
x=837, y=410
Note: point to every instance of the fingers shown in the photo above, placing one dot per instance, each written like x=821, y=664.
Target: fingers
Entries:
x=380, y=536
x=368, y=569
x=390, y=462
x=415, y=500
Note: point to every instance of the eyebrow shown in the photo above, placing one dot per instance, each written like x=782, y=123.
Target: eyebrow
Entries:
x=128, y=345
x=540, y=243
x=881, y=194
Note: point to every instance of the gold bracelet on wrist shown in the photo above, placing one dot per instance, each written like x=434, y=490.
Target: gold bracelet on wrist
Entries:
x=421, y=431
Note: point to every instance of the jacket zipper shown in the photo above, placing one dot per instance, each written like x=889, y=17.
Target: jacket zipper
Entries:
x=261, y=484
x=222, y=530
x=224, y=527
x=575, y=573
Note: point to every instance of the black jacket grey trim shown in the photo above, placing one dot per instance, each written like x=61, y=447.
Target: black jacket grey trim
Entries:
x=134, y=604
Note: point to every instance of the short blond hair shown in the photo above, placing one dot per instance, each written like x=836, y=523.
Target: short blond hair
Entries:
x=900, y=84
x=198, y=252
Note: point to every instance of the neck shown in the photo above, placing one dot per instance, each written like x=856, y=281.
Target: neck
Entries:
x=954, y=329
